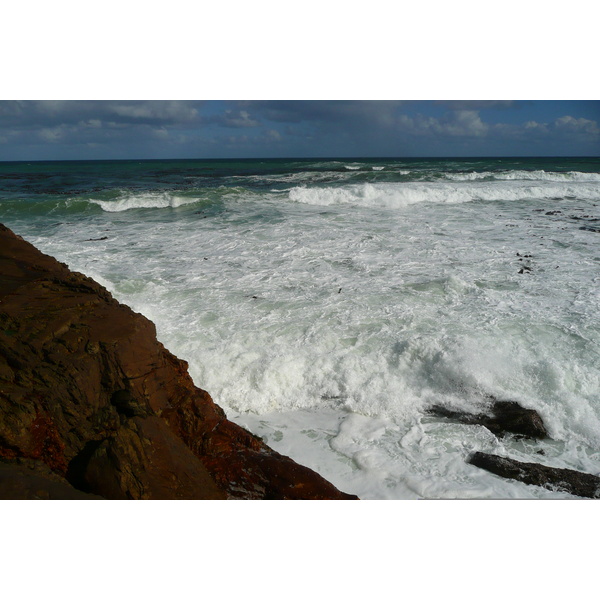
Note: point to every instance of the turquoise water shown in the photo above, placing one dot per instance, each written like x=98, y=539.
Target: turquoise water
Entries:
x=326, y=304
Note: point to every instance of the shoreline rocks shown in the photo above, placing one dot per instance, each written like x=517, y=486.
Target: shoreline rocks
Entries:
x=89, y=394
x=508, y=417
x=567, y=480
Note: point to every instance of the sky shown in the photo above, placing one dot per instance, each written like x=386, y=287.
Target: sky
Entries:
x=154, y=129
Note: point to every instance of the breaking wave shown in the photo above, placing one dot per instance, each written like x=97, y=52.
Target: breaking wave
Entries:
x=539, y=175
x=144, y=200
x=398, y=195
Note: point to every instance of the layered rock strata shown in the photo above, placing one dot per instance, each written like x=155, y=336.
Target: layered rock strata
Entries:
x=92, y=405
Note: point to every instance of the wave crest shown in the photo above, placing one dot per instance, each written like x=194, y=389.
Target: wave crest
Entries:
x=398, y=195
x=540, y=175
x=143, y=200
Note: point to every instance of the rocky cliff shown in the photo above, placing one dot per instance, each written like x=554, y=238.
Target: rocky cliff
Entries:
x=92, y=405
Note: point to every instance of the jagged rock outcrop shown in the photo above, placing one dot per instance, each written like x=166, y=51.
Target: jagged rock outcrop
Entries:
x=89, y=395
x=505, y=416
x=567, y=480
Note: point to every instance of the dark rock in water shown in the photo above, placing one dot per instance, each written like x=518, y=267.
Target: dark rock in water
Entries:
x=567, y=480
x=505, y=417
x=590, y=229
x=97, y=239
x=511, y=416
x=96, y=404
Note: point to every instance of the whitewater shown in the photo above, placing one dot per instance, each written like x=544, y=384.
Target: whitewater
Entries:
x=327, y=305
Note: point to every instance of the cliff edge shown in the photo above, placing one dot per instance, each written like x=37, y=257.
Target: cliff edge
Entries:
x=93, y=406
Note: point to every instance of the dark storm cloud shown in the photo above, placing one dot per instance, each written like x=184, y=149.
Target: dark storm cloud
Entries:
x=36, y=113
x=326, y=112
x=63, y=129
x=479, y=104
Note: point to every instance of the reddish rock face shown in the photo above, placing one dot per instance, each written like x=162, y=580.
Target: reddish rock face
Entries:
x=88, y=391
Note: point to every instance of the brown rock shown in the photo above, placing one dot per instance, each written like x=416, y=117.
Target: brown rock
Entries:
x=145, y=460
x=86, y=388
x=33, y=480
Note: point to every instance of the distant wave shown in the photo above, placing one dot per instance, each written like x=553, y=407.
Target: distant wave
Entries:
x=297, y=177
x=524, y=175
x=397, y=195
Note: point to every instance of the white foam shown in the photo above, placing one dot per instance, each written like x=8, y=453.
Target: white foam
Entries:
x=540, y=175
x=331, y=331
x=378, y=458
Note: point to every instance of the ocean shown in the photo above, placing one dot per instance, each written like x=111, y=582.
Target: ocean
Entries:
x=327, y=304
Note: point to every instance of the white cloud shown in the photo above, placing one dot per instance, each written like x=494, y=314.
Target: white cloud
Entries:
x=573, y=125
x=464, y=123
x=161, y=134
x=534, y=126
x=52, y=134
x=238, y=119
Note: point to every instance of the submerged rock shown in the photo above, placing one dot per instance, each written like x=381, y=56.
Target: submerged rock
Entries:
x=505, y=417
x=567, y=480
x=89, y=394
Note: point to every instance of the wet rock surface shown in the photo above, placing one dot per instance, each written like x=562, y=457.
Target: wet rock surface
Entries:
x=89, y=395
x=504, y=417
x=567, y=480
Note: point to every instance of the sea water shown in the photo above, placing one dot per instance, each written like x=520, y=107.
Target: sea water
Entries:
x=328, y=304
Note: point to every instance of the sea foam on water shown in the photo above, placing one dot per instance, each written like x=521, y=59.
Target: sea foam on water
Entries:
x=330, y=316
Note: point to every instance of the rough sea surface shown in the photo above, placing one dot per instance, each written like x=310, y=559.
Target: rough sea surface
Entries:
x=327, y=304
